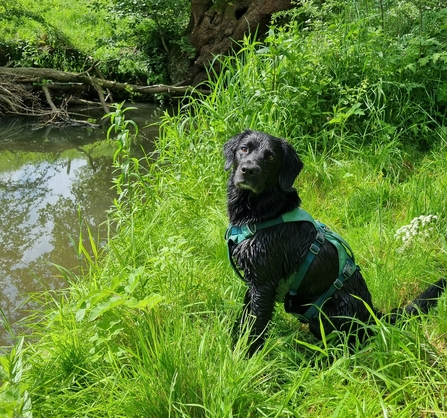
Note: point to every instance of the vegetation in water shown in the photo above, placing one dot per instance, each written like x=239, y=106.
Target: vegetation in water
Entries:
x=144, y=328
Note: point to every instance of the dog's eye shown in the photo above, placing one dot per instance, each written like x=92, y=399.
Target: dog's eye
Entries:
x=244, y=149
x=271, y=157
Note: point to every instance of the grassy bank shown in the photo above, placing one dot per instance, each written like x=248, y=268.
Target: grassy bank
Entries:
x=119, y=39
x=145, y=330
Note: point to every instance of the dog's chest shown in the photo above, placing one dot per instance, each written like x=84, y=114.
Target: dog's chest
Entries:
x=269, y=256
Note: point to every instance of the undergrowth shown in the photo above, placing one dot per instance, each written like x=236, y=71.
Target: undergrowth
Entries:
x=144, y=329
x=115, y=39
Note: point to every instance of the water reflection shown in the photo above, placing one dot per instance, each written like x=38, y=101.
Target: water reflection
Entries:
x=39, y=212
x=46, y=177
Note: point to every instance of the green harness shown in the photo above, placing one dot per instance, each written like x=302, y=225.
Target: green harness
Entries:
x=236, y=234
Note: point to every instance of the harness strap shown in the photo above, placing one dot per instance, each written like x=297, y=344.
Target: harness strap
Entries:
x=233, y=264
x=314, y=249
x=236, y=234
x=348, y=270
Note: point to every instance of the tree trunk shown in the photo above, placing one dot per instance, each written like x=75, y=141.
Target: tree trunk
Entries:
x=215, y=26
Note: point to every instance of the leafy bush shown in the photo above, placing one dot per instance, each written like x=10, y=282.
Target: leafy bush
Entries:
x=154, y=27
x=334, y=69
x=123, y=40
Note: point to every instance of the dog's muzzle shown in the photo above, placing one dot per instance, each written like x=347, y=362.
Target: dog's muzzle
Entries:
x=248, y=176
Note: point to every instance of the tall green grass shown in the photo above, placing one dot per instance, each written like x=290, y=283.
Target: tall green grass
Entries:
x=145, y=329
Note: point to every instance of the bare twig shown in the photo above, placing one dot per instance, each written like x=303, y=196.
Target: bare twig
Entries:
x=54, y=109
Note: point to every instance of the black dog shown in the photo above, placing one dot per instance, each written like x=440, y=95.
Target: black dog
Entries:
x=267, y=251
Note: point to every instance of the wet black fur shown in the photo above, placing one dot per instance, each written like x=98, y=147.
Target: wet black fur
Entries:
x=264, y=169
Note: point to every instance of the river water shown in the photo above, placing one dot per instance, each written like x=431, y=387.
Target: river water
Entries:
x=48, y=177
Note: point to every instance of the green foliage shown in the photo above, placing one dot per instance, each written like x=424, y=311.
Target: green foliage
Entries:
x=145, y=328
x=334, y=69
x=14, y=398
x=156, y=26
x=29, y=39
x=124, y=41
x=146, y=331
x=170, y=16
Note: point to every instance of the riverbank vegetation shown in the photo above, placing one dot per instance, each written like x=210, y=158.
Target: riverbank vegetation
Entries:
x=144, y=329
x=74, y=35
x=57, y=53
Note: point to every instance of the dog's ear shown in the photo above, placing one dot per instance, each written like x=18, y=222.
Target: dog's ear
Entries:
x=292, y=166
x=230, y=148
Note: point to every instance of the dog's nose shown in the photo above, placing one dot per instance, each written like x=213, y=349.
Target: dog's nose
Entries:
x=250, y=170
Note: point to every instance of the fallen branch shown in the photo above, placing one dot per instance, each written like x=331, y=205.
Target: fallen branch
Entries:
x=45, y=74
x=48, y=97
x=24, y=86
x=101, y=98
x=16, y=98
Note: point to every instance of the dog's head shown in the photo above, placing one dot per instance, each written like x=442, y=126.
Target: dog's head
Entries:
x=261, y=162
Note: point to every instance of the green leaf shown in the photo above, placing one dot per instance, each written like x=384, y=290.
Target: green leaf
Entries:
x=106, y=306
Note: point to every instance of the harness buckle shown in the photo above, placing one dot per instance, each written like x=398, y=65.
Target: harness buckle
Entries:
x=320, y=238
x=349, y=268
x=248, y=230
x=338, y=284
x=314, y=248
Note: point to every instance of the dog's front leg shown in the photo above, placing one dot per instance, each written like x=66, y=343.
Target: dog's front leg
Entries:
x=256, y=314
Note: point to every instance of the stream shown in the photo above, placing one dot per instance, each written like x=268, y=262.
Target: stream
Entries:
x=49, y=177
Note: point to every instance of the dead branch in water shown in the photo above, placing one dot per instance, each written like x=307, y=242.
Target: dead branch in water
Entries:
x=16, y=98
x=21, y=90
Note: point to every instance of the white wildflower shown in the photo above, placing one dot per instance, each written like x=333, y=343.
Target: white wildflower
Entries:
x=421, y=226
